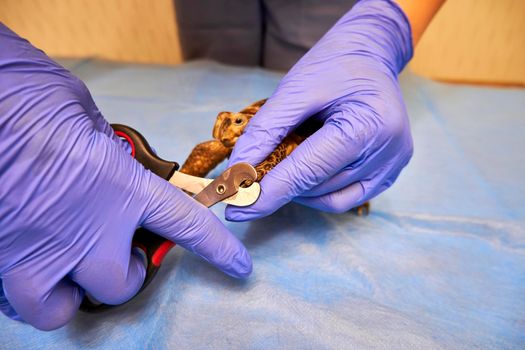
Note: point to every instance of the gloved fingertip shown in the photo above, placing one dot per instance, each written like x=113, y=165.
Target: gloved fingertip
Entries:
x=239, y=214
x=232, y=214
x=270, y=200
x=6, y=308
x=241, y=267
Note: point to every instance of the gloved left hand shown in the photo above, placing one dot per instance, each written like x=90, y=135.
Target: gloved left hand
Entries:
x=71, y=198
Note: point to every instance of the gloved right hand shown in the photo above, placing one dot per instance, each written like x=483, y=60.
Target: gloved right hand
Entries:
x=347, y=82
x=71, y=198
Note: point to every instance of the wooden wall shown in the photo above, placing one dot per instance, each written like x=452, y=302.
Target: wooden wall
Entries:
x=142, y=31
x=475, y=41
x=469, y=40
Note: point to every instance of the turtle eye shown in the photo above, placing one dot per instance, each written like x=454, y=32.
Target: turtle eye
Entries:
x=238, y=121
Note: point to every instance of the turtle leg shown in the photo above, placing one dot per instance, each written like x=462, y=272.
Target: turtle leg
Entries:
x=282, y=151
x=204, y=157
x=363, y=209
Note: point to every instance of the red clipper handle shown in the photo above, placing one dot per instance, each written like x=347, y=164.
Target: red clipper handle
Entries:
x=154, y=246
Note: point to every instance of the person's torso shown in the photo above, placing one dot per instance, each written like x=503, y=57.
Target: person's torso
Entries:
x=269, y=33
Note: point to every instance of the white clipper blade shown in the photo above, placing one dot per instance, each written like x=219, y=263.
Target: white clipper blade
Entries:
x=245, y=196
x=193, y=184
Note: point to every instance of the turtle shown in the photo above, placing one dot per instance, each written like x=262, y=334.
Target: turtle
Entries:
x=228, y=127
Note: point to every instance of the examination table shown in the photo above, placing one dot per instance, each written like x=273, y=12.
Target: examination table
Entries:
x=438, y=263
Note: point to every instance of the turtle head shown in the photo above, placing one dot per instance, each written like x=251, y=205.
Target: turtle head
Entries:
x=229, y=126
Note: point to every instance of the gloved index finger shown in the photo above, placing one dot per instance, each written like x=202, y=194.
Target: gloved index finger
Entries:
x=5, y=306
x=179, y=218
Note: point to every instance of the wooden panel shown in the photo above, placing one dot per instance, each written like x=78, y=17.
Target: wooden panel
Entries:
x=469, y=40
x=475, y=41
x=125, y=30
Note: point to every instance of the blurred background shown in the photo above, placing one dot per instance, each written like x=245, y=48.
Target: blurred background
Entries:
x=469, y=41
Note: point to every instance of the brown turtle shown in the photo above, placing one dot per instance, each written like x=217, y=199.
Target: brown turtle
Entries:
x=227, y=129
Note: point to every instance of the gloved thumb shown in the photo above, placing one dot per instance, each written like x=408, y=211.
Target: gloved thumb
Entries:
x=279, y=116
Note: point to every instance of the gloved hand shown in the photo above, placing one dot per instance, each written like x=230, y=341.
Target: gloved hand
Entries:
x=71, y=198
x=348, y=81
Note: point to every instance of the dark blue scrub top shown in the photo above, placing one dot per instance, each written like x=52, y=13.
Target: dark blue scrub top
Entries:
x=268, y=33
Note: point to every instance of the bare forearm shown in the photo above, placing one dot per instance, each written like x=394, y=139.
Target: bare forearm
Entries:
x=419, y=13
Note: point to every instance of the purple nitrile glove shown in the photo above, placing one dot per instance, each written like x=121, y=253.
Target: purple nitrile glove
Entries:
x=348, y=81
x=71, y=198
